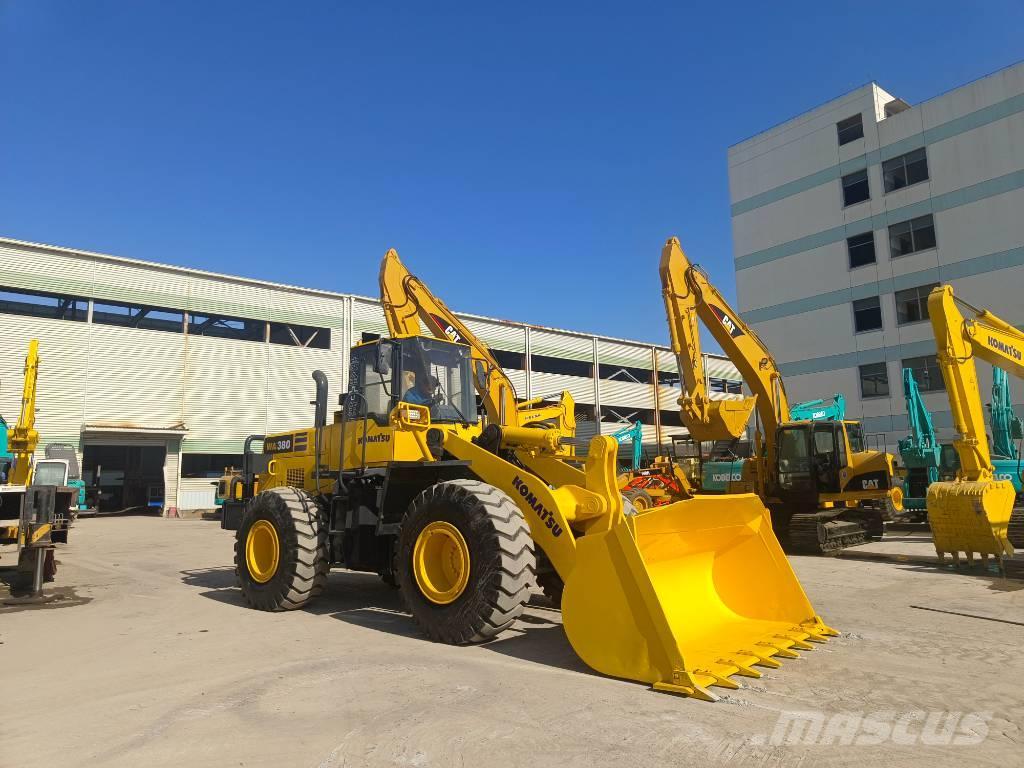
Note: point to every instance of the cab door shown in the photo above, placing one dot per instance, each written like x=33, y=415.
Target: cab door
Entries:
x=828, y=455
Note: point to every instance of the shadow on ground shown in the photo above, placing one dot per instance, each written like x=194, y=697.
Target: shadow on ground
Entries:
x=364, y=600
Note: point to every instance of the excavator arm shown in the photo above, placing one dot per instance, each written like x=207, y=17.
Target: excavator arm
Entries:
x=958, y=341
x=971, y=514
x=23, y=439
x=689, y=297
x=408, y=303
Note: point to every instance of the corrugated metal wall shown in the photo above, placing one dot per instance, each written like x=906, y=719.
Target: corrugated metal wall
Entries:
x=223, y=390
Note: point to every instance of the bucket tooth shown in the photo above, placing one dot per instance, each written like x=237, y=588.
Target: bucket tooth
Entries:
x=817, y=632
x=741, y=669
x=776, y=651
x=797, y=642
x=695, y=691
x=762, y=659
x=723, y=682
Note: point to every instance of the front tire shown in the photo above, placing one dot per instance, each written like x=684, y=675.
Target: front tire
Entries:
x=466, y=561
x=281, y=557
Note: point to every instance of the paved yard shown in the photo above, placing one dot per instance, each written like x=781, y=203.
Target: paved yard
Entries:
x=149, y=659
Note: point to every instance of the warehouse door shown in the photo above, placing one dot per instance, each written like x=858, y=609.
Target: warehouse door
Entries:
x=125, y=477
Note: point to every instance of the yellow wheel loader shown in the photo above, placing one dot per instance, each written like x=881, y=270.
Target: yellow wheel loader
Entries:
x=825, y=490
x=971, y=514
x=407, y=482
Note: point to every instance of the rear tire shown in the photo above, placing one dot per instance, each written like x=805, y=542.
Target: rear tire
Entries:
x=301, y=563
x=501, y=561
x=639, y=498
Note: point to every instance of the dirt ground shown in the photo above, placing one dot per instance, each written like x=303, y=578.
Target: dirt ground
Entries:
x=149, y=659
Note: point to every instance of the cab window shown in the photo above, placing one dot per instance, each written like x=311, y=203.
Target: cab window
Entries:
x=375, y=387
x=855, y=434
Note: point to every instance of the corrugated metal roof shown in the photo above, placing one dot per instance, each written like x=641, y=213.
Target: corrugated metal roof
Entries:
x=301, y=289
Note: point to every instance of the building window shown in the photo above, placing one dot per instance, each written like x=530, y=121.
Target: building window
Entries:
x=727, y=386
x=912, y=304
x=867, y=314
x=222, y=327
x=926, y=373
x=861, y=249
x=14, y=301
x=208, y=464
x=905, y=170
x=138, y=316
x=626, y=415
x=855, y=188
x=912, y=236
x=874, y=380
x=625, y=373
x=668, y=378
x=850, y=129
x=514, y=361
x=300, y=336
x=561, y=365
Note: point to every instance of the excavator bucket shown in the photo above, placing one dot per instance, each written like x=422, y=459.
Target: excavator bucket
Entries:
x=688, y=595
x=971, y=517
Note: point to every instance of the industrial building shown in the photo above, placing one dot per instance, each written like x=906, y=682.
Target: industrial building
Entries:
x=157, y=373
x=846, y=216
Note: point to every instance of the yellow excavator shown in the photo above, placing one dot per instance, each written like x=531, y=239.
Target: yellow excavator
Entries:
x=971, y=514
x=824, y=489
x=408, y=482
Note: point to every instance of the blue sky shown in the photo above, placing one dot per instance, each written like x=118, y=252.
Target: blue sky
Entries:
x=528, y=160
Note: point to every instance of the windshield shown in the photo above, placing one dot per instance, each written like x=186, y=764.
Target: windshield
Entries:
x=856, y=436
x=50, y=473
x=793, y=454
x=437, y=373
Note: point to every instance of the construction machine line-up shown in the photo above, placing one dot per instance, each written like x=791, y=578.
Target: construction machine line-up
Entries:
x=407, y=481
x=972, y=513
x=815, y=476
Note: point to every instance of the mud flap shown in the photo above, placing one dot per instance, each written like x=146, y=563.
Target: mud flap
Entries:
x=688, y=595
x=971, y=517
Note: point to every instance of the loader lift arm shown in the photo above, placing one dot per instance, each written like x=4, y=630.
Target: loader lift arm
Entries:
x=408, y=302
x=953, y=507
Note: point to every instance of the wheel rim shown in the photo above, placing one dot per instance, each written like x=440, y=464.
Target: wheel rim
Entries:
x=640, y=502
x=262, y=551
x=440, y=562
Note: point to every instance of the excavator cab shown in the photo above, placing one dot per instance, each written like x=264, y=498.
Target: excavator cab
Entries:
x=810, y=458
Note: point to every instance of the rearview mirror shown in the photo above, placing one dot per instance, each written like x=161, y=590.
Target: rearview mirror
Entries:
x=382, y=364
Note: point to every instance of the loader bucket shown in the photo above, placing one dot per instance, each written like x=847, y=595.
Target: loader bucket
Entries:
x=971, y=517
x=687, y=595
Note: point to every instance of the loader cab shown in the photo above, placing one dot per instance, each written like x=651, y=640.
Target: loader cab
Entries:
x=811, y=459
x=412, y=369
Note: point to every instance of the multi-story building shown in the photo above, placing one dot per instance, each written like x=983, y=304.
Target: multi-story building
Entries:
x=156, y=373
x=846, y=216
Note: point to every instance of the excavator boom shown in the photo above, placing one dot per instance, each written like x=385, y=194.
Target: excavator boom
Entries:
x=690, y=298
x=954, y=507
x=23, y=439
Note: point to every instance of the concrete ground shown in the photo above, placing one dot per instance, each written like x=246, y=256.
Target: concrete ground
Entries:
x=150, y=659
